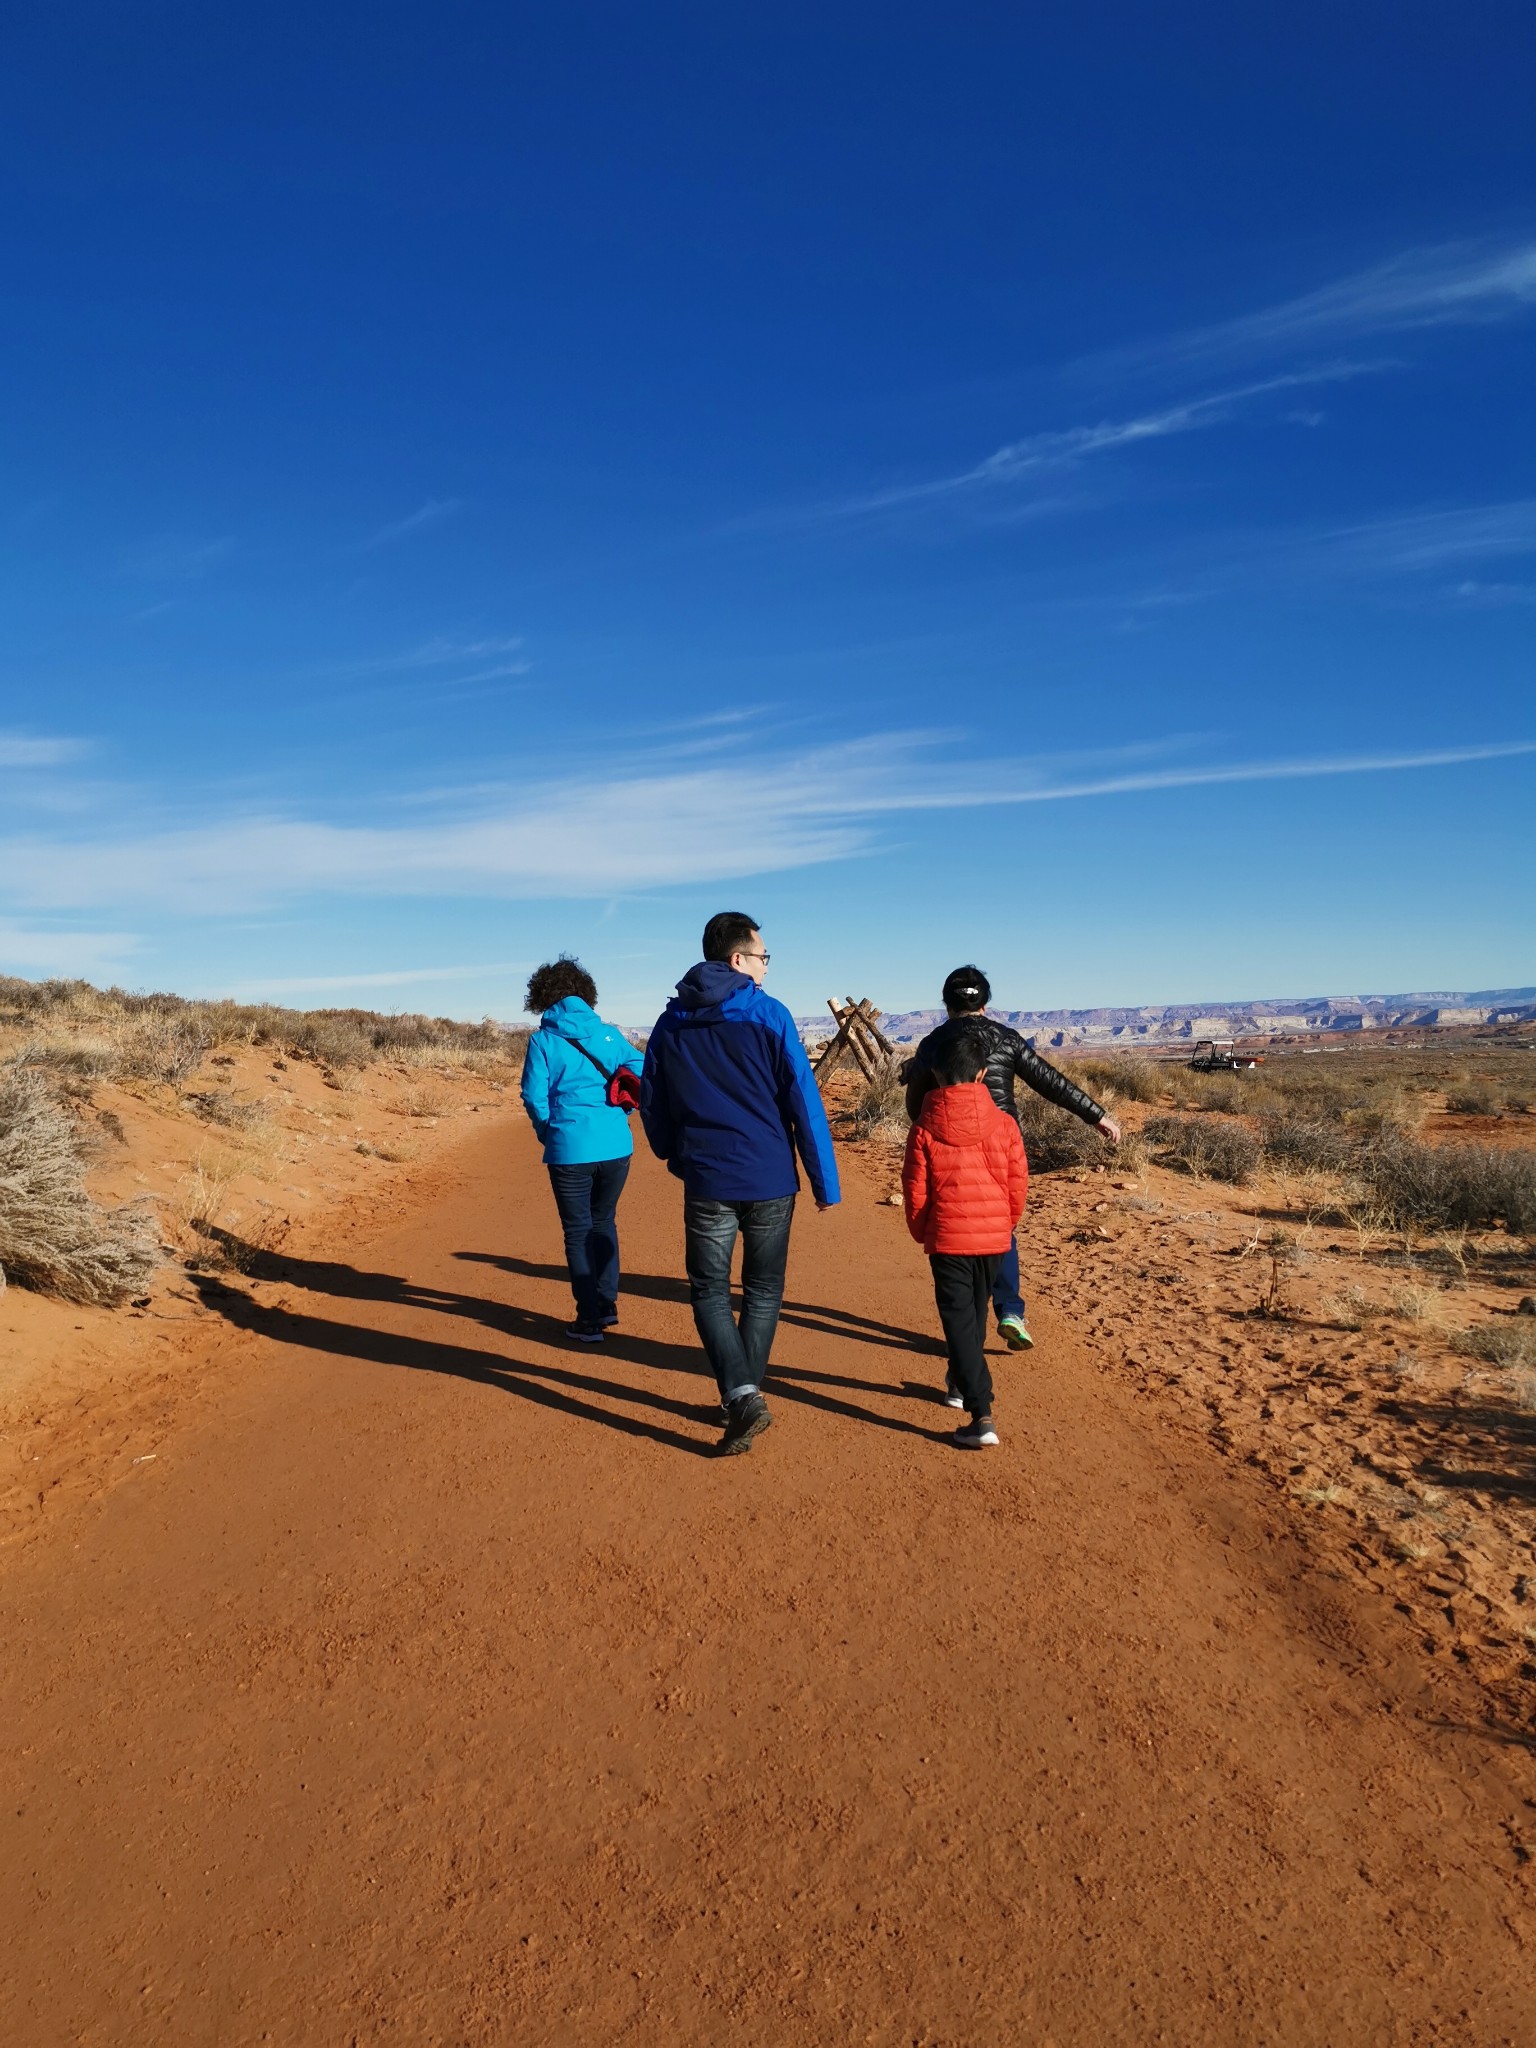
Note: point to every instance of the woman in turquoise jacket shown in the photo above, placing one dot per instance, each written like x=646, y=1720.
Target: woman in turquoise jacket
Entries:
x=587, y=1145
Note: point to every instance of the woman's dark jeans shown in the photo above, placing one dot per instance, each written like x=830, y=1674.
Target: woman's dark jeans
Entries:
x=1006, y=1298
x=738, y=1355
x=587, y=1196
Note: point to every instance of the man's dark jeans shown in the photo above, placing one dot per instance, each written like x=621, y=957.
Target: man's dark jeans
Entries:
x=1006, y=1298
x=962, y=1284
x=587, y=1196
x=738, y=1354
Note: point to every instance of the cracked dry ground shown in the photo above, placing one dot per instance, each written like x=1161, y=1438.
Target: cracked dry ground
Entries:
x=431, y=1682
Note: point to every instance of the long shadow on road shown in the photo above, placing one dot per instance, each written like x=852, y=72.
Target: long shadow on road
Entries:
x=549, y=1385
x=811, y=1315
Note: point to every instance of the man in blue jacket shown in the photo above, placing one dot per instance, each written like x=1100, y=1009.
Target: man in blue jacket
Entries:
x=727, y=1100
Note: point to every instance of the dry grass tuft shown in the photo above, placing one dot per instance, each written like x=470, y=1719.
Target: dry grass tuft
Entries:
x=1210, y=1148
x=1510, y=1343
x=53, y=1237
x=424, y=1101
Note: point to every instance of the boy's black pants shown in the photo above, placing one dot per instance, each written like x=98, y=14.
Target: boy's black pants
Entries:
x=962, y=1287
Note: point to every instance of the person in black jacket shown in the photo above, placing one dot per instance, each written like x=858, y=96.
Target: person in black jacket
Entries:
x=1010, y=1058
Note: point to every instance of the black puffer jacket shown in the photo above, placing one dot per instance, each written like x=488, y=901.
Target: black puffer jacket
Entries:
x=1008, y=1058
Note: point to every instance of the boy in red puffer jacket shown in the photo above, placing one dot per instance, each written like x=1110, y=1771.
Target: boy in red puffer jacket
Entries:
x=965, y=1179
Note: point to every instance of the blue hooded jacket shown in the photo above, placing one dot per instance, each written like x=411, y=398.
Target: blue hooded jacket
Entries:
x=566, y=1096
x=727, y=1097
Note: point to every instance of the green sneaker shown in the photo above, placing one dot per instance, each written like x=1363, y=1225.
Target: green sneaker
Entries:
x=1013, y=1333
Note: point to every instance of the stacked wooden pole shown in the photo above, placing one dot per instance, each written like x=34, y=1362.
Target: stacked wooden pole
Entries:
x=859, y=1033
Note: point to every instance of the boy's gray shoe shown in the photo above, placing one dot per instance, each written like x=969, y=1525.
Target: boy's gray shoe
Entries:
x=953, y=1398
x=746, y=1419
x=979, y=1434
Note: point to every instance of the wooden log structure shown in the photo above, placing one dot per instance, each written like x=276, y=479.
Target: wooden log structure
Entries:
x=858, y=1032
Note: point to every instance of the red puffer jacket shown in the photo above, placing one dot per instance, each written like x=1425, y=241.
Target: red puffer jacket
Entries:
x=965, y=1176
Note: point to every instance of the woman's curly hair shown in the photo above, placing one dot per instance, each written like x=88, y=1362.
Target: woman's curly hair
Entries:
x=556, y=979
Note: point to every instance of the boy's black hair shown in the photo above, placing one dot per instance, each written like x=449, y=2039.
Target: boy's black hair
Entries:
x=967, y=988
x=728, y=932
x=963, y=1058
x=556, y=979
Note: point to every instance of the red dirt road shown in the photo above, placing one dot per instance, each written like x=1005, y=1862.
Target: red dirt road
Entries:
x=434, y=1684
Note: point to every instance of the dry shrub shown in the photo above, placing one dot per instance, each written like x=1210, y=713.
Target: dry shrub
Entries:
x=201, y=1194
x=159, y=1030
x=1211, y=1148
x=164, y=1047
x=72, y=1064
x=219, y=1106
x=881, y=1110
x=1449, y=1186
x=1054, y=1140
x=53, y=1237
x=423, y=1102
x=1123, y=1078
x=1509, y=1343
x=1298, y=1142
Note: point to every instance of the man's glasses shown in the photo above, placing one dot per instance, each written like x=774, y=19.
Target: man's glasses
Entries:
x=764, y=957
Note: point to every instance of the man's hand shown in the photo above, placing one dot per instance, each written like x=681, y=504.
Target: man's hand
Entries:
x=823, y=1207
x=1110, y=1128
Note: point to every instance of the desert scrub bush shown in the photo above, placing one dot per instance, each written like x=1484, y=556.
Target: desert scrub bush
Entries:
x=1299, y=1142
x=72, y=1063
x=157, y=1046
x=1128, y=1080
x=53, y=1237
x=1468, y=1187
x=1511, y=1343
x=881, y=1110
x=423, y=1102
x=1211, y=1148
x=1054, y=1140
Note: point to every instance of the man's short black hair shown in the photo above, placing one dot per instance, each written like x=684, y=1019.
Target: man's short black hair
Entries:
x=962, y=1058
x=728, y=932
x=557, y=979
x=967, y=988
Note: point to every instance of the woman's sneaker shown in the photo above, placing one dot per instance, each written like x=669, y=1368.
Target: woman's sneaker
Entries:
x=585, y=1333
x=745, y=1419
x=1014, y=1333
x=977, y=1435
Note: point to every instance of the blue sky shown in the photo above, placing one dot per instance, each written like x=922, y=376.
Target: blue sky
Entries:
x=484, y=481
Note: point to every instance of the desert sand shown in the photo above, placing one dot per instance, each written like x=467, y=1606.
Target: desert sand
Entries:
x=388, y=1671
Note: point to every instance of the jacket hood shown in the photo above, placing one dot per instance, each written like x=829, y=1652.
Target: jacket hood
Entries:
x=959, y=1115
x=572, y=1018
x=708, y=985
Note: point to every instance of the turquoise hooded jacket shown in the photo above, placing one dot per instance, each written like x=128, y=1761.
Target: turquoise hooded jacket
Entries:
x=565, y=1095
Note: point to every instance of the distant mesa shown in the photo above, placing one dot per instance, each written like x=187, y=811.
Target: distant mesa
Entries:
x=1271, y=1017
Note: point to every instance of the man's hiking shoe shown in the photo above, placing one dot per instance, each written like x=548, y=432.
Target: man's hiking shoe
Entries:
x=585, y=1333
x=953, y=1398
x=1014, y=1333
x=977, y=1435
x=747, y=1418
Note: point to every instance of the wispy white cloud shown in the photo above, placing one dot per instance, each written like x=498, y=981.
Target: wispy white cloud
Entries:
x=441, y=651
x=26, y=950
x=22, y=750
x=1451, y=284
x=1425, y=540
x=1064, y=448
x=583, y=838
x=394, y=977
x=432, y=513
